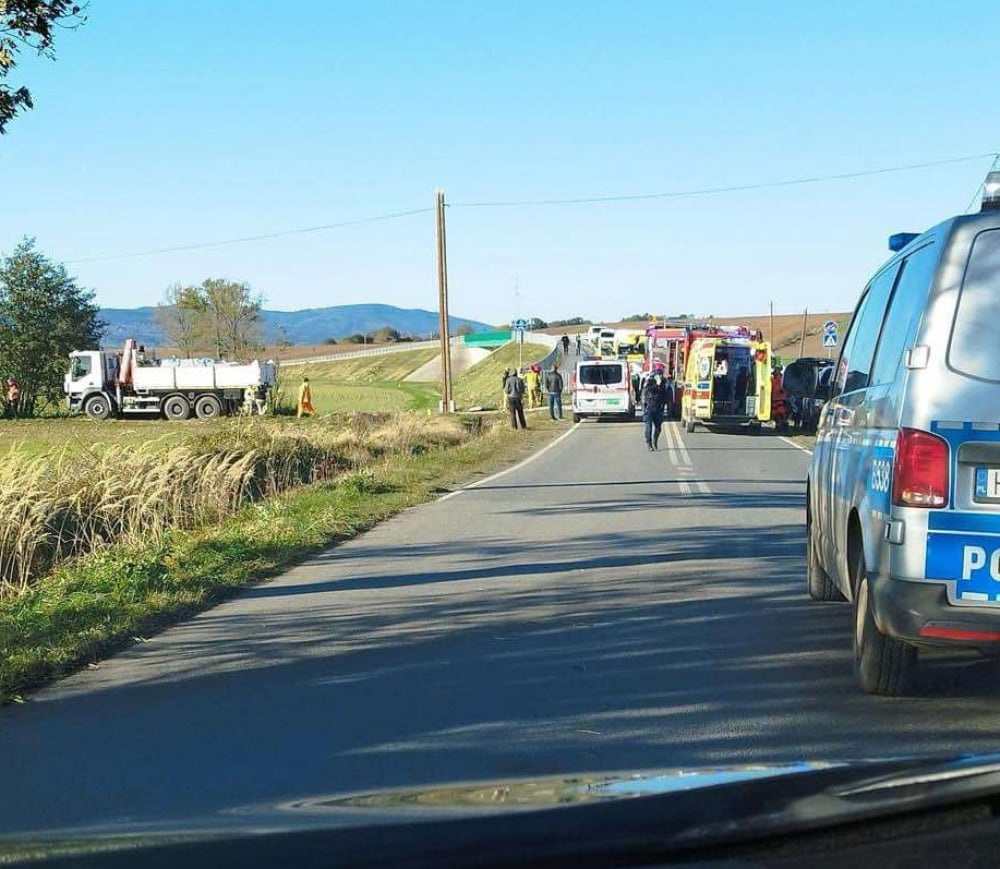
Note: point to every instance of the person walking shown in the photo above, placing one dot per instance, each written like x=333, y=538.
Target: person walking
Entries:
x=305, y=399
x=554, y=387
x=654, y=401
x=565, y=344
x=514, y=393
x=579, y=341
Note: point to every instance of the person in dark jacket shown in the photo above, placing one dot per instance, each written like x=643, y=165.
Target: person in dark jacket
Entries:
x=514, y=392
x=554, y=387
x=655, y=397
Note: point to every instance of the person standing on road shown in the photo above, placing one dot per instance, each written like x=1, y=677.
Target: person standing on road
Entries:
x=554, y=387
x=654, y=401
x=565, y=344
x=305, y=399
x=579, y=341
x=514, y=393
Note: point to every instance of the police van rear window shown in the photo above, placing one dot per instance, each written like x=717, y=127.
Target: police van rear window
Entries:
x=601, y=375
x=974, y=338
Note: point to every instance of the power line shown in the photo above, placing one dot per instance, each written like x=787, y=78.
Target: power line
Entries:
x=246, y=238
x=707, y=191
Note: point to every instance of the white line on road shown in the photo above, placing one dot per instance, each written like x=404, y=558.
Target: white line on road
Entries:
x=516, y=467
x=685, y=487
x=793, y=444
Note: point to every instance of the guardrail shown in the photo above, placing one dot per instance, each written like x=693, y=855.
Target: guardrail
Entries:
x=371, y=351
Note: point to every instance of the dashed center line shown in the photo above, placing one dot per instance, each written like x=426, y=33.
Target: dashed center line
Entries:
x=680, y=458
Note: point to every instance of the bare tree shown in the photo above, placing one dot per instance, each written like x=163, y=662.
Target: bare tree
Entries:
x=181, y=315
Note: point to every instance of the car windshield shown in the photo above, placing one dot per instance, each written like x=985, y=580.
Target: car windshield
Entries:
x=601, y=375
x=334, y=459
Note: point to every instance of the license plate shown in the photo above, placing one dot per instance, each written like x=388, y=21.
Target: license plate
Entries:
x=613, y=401
x=988, y=484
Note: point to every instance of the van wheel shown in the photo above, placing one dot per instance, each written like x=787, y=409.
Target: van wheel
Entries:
x=577, y=417
x=882, y=665
x=207, y=407
x=818, y=582
x=176, y=407
x=97, y=407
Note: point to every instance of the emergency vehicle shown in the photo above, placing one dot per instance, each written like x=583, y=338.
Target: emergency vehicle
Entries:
x=727, y=381
x=903, y=489
x=602, y=387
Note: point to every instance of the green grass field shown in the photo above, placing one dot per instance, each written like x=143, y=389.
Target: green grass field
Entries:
x=479, y=386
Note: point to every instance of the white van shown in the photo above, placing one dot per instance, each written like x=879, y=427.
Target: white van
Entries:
x=903, y=492
x=602, y=387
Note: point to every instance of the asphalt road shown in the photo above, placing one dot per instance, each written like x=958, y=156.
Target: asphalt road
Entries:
x=600, y=608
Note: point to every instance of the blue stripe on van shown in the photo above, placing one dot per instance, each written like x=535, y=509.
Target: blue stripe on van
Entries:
x=965, y=521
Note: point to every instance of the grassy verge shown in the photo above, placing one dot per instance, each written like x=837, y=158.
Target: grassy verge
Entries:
x=480, y=384
x=104, y=601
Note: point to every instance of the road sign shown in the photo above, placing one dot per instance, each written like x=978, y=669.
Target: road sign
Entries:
x=830, y=340
x=830, y=327
x=520, y=325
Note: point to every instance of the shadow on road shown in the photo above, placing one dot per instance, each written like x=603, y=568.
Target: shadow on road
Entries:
x=690, y=648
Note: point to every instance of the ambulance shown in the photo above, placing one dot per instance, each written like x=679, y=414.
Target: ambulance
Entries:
x=903, y=489
x=727, y=382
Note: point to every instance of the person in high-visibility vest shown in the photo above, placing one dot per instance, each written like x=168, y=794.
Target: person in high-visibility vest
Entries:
x=305, y=399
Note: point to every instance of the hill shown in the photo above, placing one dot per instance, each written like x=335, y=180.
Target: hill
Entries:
x=309, y=326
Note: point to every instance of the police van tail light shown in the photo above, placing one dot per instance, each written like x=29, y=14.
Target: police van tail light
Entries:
x=920, y=471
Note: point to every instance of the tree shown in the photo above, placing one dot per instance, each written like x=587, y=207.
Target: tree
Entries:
x=182, y=317
x=30, y=24
x=220, y=316
x=384, y=335
x=43, y=316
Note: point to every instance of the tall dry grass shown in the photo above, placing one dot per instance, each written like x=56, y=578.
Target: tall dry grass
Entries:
x=55, y=507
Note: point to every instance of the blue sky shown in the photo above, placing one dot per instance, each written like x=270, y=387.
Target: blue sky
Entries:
x=168, y=124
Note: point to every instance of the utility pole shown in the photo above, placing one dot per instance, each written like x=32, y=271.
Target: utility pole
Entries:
x=802, y=343
x=447, y=401
x=770, y=331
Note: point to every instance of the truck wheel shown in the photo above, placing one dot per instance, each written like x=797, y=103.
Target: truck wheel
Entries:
x=882, y=664
x=818, y=582
x=207, y=407
x=97, y=407
x=176, y=407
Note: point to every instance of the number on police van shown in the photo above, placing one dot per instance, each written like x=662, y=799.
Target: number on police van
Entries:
x=881, y=475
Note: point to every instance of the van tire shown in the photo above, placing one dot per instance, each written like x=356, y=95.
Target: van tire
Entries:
x=577, y=417
x=176, y=407
x=97, y=407
x=818, y=582
x=882, y=665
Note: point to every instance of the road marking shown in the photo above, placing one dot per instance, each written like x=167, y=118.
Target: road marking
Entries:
x=685, y=487
x=793, y=444
x=703, y=487
x=516, y=467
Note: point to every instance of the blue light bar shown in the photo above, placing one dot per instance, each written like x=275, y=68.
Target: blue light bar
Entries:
x=901, y=240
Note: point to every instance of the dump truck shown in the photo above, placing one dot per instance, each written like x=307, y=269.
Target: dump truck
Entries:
x=128, y=382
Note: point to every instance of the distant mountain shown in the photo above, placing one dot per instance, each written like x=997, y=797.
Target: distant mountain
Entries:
x=311, y=326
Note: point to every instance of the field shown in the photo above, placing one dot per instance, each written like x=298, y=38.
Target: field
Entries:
x=480, y=385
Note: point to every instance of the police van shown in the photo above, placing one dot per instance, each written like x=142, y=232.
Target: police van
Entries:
x=903, y=490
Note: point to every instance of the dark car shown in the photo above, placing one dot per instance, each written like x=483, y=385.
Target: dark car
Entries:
x=806, y=382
